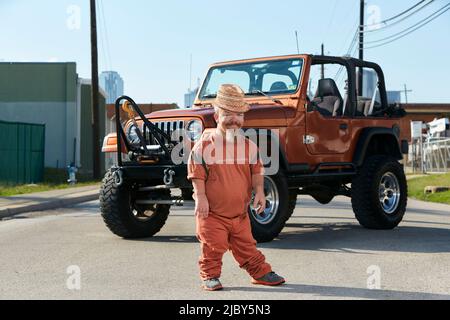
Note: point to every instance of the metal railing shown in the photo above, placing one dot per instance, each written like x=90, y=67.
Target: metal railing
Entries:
x=436, y=155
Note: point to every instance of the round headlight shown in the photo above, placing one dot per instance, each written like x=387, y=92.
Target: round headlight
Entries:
x=132, y=134
x=194, y=129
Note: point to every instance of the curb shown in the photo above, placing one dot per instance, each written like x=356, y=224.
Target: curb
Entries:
x=9, y=212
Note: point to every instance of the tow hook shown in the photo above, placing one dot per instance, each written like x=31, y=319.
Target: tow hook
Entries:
x=118, y=177
x=168, y=176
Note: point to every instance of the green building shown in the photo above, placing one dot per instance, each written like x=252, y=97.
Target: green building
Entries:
x=53, y=95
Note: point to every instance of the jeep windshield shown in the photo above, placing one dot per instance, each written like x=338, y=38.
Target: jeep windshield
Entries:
x=269, y=77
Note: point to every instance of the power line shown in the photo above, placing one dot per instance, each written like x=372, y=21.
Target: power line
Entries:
x=100, y=34
x=350, y=31
x=339, y=77
x=352, y=43
x=330, y=20
x=397, y=22
x=404, y=35
x=350, y=51
x=396, y=16
x=409, y=28
x=105, y=38
x=348, y=37
x=353, y=47
x=384, y=21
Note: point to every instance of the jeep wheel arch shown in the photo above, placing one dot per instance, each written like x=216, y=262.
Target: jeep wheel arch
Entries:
x=376, y=141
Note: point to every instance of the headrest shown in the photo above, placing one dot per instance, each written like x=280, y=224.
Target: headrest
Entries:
x=327, y=87
x=278, y=86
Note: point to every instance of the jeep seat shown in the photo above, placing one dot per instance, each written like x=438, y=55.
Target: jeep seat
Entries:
x=328, y=98
x=278, y=86
x=362, y=106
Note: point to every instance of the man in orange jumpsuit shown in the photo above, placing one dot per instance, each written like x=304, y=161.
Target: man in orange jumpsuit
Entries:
x=223, y=181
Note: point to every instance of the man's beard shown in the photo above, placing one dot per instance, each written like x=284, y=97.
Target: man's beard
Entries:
x=232, y=134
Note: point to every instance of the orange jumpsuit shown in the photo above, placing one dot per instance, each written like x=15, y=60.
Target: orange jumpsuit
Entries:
x=228, y=188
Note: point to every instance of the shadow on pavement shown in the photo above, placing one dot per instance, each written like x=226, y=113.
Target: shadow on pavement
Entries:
x=175, y=239
x=427, y=211
x=344, y=292
x=348, y=207
x=347, y=237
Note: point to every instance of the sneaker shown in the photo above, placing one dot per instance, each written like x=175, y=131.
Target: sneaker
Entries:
x=269, y=279
x=212, y=284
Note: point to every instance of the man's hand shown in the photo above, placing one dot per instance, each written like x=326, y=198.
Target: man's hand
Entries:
x=259, y=201
x=201, y=205
x=201, y=201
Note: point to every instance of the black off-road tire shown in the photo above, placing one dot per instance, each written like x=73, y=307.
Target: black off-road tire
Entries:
x=117, y=210
x=293, y=193
x=265, y=232
x=367, y=188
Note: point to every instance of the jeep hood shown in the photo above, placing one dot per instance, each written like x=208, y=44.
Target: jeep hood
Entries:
x=258, y=115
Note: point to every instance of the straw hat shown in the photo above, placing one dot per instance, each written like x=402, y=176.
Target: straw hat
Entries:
x=231, y=97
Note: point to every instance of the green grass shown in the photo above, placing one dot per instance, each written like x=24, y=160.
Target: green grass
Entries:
x=417, y=185
x=54, y=179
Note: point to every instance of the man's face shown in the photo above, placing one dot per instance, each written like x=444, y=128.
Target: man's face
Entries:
x=229, y=120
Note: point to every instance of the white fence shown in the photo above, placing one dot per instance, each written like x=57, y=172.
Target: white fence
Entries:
x=437, y=155
x=432, y=156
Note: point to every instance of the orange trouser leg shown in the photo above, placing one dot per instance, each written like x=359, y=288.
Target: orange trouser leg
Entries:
x=213, y=236
x=243, y=248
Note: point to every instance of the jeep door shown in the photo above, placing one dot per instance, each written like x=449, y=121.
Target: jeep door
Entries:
x=328, y=123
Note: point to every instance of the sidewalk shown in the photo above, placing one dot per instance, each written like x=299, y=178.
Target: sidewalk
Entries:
x=10, y=206
x=413, y=176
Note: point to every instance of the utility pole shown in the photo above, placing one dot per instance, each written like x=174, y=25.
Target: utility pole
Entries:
x=296, y=40
x=190, y=74
x=95, y=95
x=406, y=93
x=361, y=46
x=322, y=73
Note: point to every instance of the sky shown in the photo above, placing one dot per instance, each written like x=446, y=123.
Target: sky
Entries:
x=150, y=43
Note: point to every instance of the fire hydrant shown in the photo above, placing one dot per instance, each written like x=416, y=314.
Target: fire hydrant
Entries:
x=72, y=170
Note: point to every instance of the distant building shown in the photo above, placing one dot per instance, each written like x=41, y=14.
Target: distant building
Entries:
x=189, y=98
x=370, y=80
x=425, y=112
x=112, y=83
x=370, y=83
x=52, y=94
x=394, y=96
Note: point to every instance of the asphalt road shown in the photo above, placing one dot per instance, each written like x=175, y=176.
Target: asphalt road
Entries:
x=323, y=253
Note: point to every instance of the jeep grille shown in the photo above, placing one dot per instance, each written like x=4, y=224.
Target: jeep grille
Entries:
x=167, y=126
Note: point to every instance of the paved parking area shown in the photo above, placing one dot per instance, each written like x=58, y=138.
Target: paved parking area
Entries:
x=323, y=253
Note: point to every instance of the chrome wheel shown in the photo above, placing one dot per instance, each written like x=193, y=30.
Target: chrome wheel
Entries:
x=272, y=202
x=389, y=192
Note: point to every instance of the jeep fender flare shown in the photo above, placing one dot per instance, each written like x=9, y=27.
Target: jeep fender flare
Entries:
x=371, y=136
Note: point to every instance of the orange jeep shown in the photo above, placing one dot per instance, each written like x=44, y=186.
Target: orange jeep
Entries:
x=331, y=138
